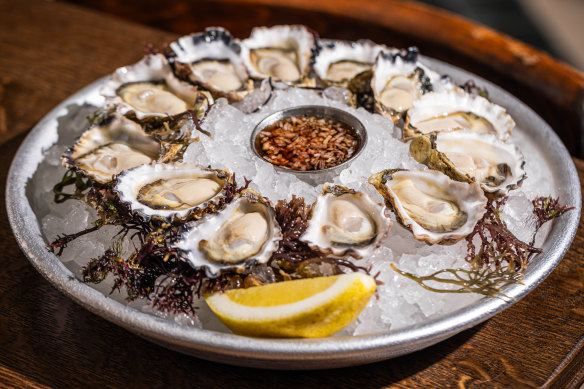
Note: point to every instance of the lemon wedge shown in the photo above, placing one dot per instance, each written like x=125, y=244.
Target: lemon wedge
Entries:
x=308, y=308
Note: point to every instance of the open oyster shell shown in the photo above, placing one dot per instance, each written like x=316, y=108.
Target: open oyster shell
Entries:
x=346, y=222
x=174, y=191
x=149, y=89
x=213, y=61
x=435, y=208
x=456, y=110
x=470, y=156
x=399, y=79
x=281, y=52
x=242, y=234
x=338, y=62
x=113, y=145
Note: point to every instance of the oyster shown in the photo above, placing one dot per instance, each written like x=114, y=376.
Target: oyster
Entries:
x=149, y=89
x=281, y=52
x=172, y=191
x=470, y=156
x=398, y=80
x=214, y=62
x=113, y=145
x=454, y=110
x=345, y=222
x=244, y=233
x=435, y=208
x=338, y=62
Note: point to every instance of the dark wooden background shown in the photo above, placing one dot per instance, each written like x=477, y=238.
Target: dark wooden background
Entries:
x=49, y=50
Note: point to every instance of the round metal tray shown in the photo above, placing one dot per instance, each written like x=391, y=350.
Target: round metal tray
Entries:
x=292, y=353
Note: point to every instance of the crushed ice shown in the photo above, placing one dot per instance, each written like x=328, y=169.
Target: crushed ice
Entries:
x=400, y=302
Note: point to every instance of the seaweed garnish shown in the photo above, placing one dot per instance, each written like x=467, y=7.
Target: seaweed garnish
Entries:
x=497, y=258
x=497, y=245
x=546, y=209
x=153, y=270
x=100, y=116
x=294, y=258
x=79, y=183
x=482, y=281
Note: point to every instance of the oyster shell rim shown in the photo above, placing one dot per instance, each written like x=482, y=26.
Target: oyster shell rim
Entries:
x=214, y=269
x=153, y=68
x=498, y=112
x=214, y=36
x=171, y=216
x=379, y=181
x=257, y=33
x=392, y=62
x=357, y=252
x=329, y=45
x=68, y=160
x=437, y=160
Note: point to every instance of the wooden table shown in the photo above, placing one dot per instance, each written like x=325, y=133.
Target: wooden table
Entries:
x=49, y=50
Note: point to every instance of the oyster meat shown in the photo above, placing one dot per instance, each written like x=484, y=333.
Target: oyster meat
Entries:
x=456, y=110
x=435, y=208
x=398, y=80
x=245, y=232
x=149, y=89
x=172, y=191
x=108, y=148
x=338, y=62
x=345, y=222
x=281, y=52
x=470, y=156
x=214, y=62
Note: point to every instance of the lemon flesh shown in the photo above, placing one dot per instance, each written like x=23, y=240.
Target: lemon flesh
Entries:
x=306, y=308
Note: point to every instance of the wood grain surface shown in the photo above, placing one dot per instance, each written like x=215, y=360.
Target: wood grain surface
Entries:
x=50, y=50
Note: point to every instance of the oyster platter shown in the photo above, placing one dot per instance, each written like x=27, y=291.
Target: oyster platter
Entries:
x=221, y=194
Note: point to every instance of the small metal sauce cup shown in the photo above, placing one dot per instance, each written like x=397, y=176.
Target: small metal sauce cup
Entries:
x=313, y=177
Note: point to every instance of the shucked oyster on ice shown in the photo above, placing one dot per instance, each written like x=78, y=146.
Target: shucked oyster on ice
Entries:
x=456, y=110
x=244, y=233
x=338, y=62
x=281, y=52
x=214, y=62
x=150, y=89
x=399, y=79
x=172, y=191
x=346, y=222
x=113, y=145
x=435, y=208
x=470, y=156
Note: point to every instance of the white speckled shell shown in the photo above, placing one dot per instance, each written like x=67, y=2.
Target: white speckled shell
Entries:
x=150, y=68
x=210, y=224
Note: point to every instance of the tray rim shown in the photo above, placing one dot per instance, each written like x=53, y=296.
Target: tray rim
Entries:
x=286, y=353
